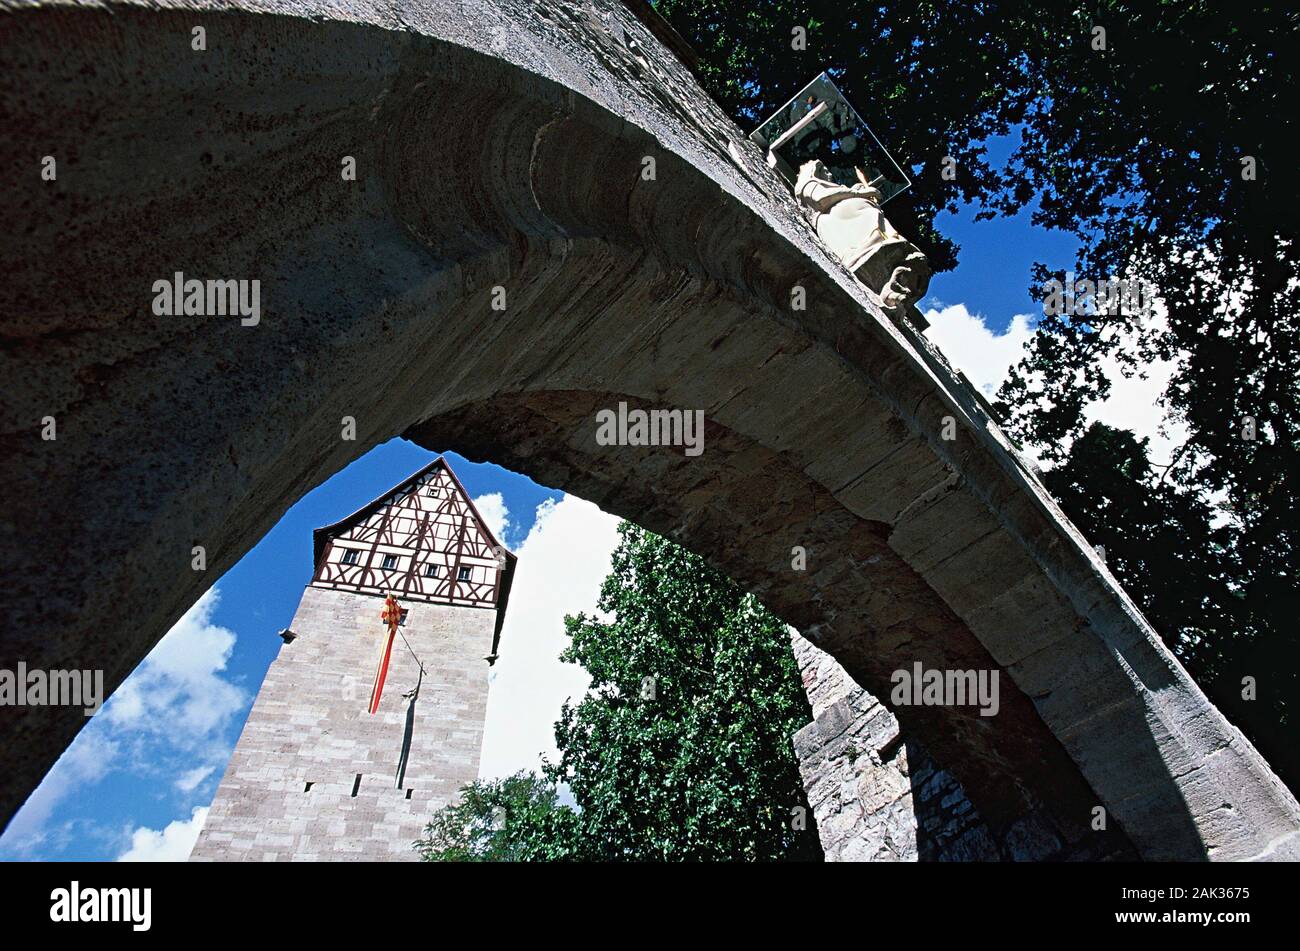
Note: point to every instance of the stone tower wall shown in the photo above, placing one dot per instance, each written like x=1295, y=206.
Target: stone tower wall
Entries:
x=309, y=725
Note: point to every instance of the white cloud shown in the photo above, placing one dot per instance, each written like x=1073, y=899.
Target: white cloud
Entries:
x=189, y=781
x=1134, y=404
x=986, y=357
x=562, y=563
x=84, y=763
x=169, y=716
x=969, y=344
x=492, y=507
x=172, y=844
x=178, y=690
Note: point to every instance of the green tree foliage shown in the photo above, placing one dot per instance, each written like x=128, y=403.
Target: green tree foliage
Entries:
x=1164, y=143
x=516, y=819
x=681, y=748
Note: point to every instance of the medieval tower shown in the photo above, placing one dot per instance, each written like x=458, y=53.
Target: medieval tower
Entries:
x=316, y=775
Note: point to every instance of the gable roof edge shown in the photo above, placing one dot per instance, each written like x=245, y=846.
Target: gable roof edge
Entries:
x=321, y=536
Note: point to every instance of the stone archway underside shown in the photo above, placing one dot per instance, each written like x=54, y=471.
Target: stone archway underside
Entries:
x=501, y=144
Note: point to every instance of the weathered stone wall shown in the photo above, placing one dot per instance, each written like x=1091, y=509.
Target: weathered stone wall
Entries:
x=878, y=797
x=864, y=784
x=309, y=725
x=501, y=143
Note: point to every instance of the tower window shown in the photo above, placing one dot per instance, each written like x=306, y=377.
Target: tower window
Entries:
x=390, y=561
x=463, y=574
x=350, y=556
x=431, y=571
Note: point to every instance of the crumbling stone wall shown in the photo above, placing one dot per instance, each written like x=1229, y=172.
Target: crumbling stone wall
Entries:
x=879, y=797
x=875, y=797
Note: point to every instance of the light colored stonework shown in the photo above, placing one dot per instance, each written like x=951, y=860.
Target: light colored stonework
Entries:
x=878, y=797
x=309, y=725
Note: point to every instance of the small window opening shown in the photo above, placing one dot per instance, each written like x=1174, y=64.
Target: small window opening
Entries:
x=350, y=556
x=390, y=561
x=356, y=785
x=408, y=793
x=431, y=571
x=463, y=575
x=307, y=786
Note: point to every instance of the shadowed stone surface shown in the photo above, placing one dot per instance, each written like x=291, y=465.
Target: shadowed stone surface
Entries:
x=878, y=797
x=501, y=144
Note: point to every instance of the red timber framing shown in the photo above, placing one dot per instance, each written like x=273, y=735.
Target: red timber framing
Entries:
x=426, y=523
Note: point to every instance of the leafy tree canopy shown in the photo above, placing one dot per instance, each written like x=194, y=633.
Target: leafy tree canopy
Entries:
x=681, y=748
x=516, y=819
x=1161, y=135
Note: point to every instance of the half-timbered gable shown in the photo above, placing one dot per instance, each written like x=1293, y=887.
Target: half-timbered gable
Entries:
x=317, y=747
x=423, y=540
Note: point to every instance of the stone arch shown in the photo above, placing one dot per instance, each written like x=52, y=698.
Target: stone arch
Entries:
x=500, y=145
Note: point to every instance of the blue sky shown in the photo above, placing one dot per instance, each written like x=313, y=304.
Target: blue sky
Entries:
x=129, y=787
x=992, y=276
x=995, y=258
x=123, y=775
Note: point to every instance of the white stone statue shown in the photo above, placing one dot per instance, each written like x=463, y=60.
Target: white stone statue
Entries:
x=851, y=223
